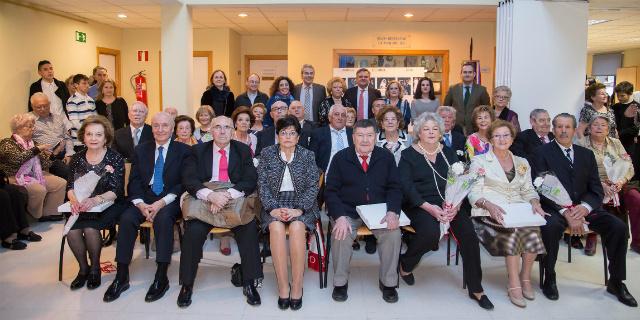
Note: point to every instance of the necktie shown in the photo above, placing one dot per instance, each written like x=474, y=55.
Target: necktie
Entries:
x=339, y=142
x=365, y=165
x=223, y=167
x=136, y=137
x=543, y=139
x=467, y=94
x=568, y=151
x=158, y=184
x=361, y=105
x=307, y=104
x=447, y=139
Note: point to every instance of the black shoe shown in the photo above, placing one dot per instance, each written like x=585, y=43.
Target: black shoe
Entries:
x=31, y=237
x=389, y=294
x=340, y=293
x=619, y=290
x=253, y=297
x=484, y=301
x=157, y=290
x=78, y=282
x=370, y=245
x=15, y=244
x=550, y=290
x=116, y=288
x=296, y=304
x=283, y=303
x=94, y=280
x=408, y=278
x=110, y=237
x=576, y=243
x=355, y=245
x=184, y=298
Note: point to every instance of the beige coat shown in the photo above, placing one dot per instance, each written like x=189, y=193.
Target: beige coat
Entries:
x=495, y=187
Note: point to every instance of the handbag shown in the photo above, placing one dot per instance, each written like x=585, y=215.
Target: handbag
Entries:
x=236, y=275
x=235, y=213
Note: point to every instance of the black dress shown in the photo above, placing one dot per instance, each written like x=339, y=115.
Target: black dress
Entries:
x=222, y=102
x=117, y=112
x=13, y=216
x=111, y=170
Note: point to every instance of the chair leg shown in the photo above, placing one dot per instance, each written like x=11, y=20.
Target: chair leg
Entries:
x=179, y=233
x=147, y=236
x=606, y=266
x=328, y=241
x=61, y=258
x=464, y=282
x=448, y=250
x=457, y=252
x=540, y=269
x=569, y=252
x=320, y=263
x=263, y=256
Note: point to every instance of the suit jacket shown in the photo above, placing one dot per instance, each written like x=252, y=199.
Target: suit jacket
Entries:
x=198, y=166
x=320, y=144
x=352, y=96
x=307, y=130
x=319, y=93
x=267, y=137
x=526, y=143
x=495, y=186
x=454, y=98
x=143, y=164
x=123, y=141
x=62, y=93
x=243, y=99
x=349, y=186
x=580, y=179
x=458, y=141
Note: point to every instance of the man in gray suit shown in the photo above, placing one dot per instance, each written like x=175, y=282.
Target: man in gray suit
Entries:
x=309, y=93
x=465, y=96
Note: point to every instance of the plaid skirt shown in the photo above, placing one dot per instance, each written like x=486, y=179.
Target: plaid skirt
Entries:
x=500, y=241
x=287, y=199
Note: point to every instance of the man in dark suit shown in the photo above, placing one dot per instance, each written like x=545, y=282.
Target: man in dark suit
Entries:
x=309, y=93
x=154, y=185
x=296, y=109
x=55, y=89
x=362, y=95
x=267, y=137
x=577, y=170
x=360, y=175
x=466, y=96
x=529, y=140
x=452, y=138
x=209, y=163
x=326, y=141
x=252, y=95
x=137, y=132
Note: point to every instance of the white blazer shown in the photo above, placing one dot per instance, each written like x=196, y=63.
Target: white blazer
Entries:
x=495, y=187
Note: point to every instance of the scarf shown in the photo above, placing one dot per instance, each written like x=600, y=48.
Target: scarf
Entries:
x=31, y=170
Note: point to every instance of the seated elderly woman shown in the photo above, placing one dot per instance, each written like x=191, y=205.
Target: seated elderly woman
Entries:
x=14, y=226
x=392, y=136
x=288, y=184
x=184, y=129
x=604, y=146
x=243, y=121
x=26, y=164
x=507, y=179
x=423, y=171
x=84, y=237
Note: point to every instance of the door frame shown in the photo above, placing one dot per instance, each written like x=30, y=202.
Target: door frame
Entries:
x=116, y=53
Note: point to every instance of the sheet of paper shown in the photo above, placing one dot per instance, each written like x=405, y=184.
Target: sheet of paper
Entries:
x=520, y=215
x=371, y=214
x=66, y=207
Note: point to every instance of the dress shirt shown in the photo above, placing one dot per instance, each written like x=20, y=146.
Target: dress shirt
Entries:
x=170, y=197
x=360, y=157
x=572, y=153
x=203, y=193
x=133, y=135
x=334, y=149
x=464, y=88
x=51, y=130
x=287, y=180
x=252, y=96
x=49, y=89
x=365, y=101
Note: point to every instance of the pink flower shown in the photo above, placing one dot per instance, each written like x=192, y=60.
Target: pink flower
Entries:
x=108, y=169
x=626, y=156
x=480, y=172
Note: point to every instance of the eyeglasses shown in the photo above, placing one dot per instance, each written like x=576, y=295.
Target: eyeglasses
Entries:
x=219, y=127
x=280, y=109
x=502, y=136
x=502, y=97
x=290, y=134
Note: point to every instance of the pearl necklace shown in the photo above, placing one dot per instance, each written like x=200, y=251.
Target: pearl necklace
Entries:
x=433, y=170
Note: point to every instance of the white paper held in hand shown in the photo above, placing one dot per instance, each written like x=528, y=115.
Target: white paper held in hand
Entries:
x=520, y=215
x=82, y=188
x=371, y=214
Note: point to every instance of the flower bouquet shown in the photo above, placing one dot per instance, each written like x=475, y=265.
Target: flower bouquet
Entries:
x=549, y=186
x=616, y=169
x=459, y=183
x=83, y=188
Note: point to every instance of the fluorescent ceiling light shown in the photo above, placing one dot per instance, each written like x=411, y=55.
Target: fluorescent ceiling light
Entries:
x=122, y=16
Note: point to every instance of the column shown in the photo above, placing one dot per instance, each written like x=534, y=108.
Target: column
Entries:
x=541, y=54
x=177, y=56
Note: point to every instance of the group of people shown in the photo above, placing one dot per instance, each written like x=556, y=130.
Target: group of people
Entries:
x=295, y=151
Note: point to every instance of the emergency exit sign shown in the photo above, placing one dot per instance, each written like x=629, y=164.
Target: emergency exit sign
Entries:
x=81, y=36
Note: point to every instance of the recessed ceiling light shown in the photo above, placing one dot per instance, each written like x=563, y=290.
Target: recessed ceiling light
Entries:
x=408, y=15
x=242, y=15
x=122, y=16
x=594, y=22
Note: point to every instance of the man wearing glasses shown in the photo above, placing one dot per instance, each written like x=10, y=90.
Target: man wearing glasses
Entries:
x=268, y=136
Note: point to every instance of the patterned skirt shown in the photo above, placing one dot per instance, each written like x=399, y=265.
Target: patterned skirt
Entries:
x=500, y=241
x=287, y=199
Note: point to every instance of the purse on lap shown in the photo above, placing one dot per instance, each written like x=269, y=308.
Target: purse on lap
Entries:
x=235, y=213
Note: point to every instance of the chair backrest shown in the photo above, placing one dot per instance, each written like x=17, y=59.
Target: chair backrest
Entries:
x=127, y=172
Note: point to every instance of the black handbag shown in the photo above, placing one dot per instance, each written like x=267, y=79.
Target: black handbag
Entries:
x=236, y=275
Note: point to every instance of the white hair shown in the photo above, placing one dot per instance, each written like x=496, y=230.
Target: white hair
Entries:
x=38, y=95
x=450, y=109
x=141, y=105
x=419, y=122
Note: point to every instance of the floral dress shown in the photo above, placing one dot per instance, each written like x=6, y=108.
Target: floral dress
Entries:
x=475, y=146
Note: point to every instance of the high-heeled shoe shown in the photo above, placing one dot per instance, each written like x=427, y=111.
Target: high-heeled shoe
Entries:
x=528, y=294
x=284, y=303
x=78, y=282
x=296, y=304
x=516, y=301
x=94, y=280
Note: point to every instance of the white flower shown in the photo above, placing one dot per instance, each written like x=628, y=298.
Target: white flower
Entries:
x=538, y=182
x=460, y=153
x=457, y=168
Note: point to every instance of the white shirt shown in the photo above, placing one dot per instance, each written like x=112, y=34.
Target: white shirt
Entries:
x=170, y=197
x=334, y=149
x=365, y=101
x=133, y=134
x=287, y=180
x=49, y=89
x=203, y=193
x=252, y=96
x=368, y=157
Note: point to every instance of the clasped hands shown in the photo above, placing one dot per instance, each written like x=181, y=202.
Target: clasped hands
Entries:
x=151, y=210
x=576, y=218
x=285, y=214
x=218, y=200
x=83, y=206
x=444, y=215
x=611, y=189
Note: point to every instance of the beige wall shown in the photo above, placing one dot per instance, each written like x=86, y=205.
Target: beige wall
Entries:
x=235, y=62
x=631, y=58
x=29, y=36
x=132, y=41
x=313, y=42
x=260, y=45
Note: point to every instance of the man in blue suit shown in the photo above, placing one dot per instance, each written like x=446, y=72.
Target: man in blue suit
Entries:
x=154, y=188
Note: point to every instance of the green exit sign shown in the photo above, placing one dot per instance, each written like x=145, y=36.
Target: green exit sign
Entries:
x=81, y=36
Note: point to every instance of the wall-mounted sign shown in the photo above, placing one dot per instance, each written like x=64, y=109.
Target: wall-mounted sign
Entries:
x=143, y=55
x=81, y=36
x=392, y=41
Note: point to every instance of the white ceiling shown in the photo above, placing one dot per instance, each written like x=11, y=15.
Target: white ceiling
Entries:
x=622, y=32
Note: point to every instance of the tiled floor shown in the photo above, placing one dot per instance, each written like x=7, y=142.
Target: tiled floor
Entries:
x=29, y=290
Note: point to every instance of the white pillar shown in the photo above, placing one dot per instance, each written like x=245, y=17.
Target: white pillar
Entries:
x=541, y=54
x=177, y=56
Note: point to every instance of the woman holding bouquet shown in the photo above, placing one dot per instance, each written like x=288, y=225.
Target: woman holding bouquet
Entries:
x=423, y=168
x=507, y=180
x=96, y=133
x=608, y=149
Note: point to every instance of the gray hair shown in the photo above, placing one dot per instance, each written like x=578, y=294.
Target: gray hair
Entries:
x=141, y=105
x=450, y=109
x=503, y=89
x=20, y=120
x=599, y=116
x=162, y=114
x=38, y=95
x=535, y=112
x=419, y=122
x=565, y=115
x=335, y=106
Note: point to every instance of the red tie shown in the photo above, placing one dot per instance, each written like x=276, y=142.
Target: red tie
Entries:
x=223, y=166
x=365, y=165
x=361, y=105
x=542, y=138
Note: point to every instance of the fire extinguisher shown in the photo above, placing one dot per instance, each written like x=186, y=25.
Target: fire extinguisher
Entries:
x=139, y=85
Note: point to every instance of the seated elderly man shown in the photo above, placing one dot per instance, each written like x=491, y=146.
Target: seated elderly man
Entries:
x=50, y=129
x=359, y=175
x=451, y=138
x=137, y=132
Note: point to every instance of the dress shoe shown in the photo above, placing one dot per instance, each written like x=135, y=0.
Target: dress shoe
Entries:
x=253, y=297
x=528, y=293
x=31, y=237
x=518, y=301
x=576, y=243
x=15, y=244
x=619, y=289
x=184, y=298
x=635, y=248
x=78, y=282
x=370, y=245
x=340, y=293
x=407, y=278
x=550, y=290
x=356, y=245
x=94, y=280
x=296, y=304
x=483, y=302
x=389, y=294
x=116, y=288
x=157, y=290
x=591, y=244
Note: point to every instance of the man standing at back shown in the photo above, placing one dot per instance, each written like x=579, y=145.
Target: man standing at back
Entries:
x=252, y=95
x=362, y=96
x=99, y=75
x=465, y=96
x=55, y=89
x=309, y=93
